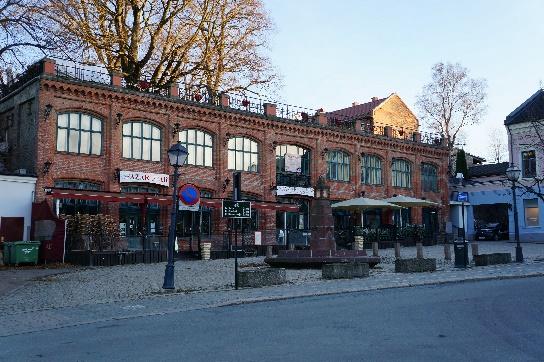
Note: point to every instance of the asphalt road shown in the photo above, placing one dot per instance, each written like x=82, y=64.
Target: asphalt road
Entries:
x=500, y=320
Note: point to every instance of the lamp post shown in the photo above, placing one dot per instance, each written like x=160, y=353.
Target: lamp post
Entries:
x=513, y=173
x=177, y=154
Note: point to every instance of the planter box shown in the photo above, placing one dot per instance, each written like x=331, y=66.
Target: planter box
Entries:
x=345, y=270
x=492, y=259
x=415, y=265
x=254, y=278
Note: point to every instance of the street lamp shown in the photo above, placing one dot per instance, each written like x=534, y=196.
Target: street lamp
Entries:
x=177, y=154
x=513, y=173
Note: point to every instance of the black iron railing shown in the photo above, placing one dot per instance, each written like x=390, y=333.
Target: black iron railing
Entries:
x=293, y=180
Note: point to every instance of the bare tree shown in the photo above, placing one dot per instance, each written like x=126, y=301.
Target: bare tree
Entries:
x=22, y=35
x=214, y=42
x=451, y=101
x=497, y=145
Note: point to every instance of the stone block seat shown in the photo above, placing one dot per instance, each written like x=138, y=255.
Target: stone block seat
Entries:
x=317, y=258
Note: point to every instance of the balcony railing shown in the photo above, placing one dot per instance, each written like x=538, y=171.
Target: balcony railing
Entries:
x=201, y=94
x=293, y=180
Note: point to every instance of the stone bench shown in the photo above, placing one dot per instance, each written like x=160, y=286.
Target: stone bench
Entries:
x=415, y=265
x=344, y=270
x=261, y=277
x=492, y=259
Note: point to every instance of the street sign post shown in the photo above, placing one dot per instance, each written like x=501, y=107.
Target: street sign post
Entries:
x=236, y=209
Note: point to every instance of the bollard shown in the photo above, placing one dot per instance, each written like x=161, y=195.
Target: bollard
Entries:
x=397, y=250
x=447, y=252
x=268, y=251
x=375, y=248
x=419, y=252
x=474, y=248
x=291, y=246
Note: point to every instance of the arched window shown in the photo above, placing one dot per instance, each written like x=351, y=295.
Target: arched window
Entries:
x=401, y=173
x=79, y=133
x=199, y=144
x=371, y=170
x=75, y=206
x=338, y=166
x=243, y=154
x=141, y=141
x=292, y=166
x=429, y=177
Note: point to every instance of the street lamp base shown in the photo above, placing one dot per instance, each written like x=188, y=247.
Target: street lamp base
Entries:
x=519, y=254
x=168, y=277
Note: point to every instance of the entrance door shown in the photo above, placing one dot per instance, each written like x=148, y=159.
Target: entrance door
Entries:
x=430, y=222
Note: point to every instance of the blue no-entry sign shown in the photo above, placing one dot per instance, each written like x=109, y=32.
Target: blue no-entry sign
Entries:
x=189, y=195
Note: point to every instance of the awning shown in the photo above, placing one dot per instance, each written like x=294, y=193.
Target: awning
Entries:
x=107, y=196
x=104, y=196
x=363, y=203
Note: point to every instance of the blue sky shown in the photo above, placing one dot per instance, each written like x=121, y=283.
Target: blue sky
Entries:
x=332, y=53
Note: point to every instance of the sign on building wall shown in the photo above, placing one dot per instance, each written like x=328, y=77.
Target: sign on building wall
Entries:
x=151, y=178
x=288, y=190
x=293, y=163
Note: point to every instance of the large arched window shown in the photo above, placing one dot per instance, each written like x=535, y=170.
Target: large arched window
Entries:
x=371, y=170
x=79, y=133
x=199, y=144
x=141, y=141
x=292, y=166
x=401, y=173
x=429, y=177
x=338, y=166
x=243, y=154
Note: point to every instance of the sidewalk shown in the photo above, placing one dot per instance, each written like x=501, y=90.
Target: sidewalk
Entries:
x=98, y=294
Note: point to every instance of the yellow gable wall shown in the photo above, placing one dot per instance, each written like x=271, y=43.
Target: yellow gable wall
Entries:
x=394, y=112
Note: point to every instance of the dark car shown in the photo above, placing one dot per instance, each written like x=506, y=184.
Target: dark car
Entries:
x=490, y=231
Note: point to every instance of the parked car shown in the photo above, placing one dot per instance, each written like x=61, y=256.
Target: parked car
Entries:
x=490, y=231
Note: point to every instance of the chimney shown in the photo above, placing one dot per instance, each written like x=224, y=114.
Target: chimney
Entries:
x=353, y=104
x=374, y=99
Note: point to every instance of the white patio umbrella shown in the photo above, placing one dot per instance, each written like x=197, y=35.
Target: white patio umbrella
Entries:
x=363, y=203
x=407, y=201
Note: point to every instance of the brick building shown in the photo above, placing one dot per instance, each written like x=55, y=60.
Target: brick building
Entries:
x=78, y=128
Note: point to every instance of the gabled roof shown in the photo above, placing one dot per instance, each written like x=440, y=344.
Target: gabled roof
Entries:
x=531, y=109
x=492, y=169
x=357, y=111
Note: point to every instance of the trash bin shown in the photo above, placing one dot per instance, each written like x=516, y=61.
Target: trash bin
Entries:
x=23, y=252
x=460, y=248
x=7, y=248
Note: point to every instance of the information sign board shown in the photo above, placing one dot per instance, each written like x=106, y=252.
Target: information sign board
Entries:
x=236, y=209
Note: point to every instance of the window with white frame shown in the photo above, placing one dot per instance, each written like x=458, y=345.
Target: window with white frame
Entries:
x=371, y=170
x=338, y=163
x=79, y=133
x=243, y=154
x=528, y=164
x=141, y=141
x=199, y=144
x=401, y=173
x=531, y=212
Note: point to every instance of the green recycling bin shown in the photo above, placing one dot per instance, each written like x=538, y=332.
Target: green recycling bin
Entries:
x=6, y=246
x=23, y=252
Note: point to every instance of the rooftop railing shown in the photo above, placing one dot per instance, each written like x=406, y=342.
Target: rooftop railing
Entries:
x=203, y=95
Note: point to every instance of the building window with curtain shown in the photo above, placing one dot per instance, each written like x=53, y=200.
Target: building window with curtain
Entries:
x=243, y=154
x=199, y=144
x=292, y=166
x=401, y=173
x=528, y=163
x=75, y=206
x=79, y=133
x=371, y=170
x=531, y=212
x=429, y=177
x=338, y=163
x=141, y=141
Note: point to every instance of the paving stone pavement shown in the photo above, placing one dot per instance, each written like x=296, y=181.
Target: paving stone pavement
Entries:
x=109, y=293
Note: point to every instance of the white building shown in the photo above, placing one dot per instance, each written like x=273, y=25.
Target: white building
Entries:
x=16, y=197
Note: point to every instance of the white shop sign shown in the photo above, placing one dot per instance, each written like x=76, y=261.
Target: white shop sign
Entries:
x=288, y=190
x=151, y=178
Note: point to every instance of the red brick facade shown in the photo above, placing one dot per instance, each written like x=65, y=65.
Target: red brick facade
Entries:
x=106, y=101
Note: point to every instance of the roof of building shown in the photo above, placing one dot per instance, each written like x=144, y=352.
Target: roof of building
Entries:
x=491, y=169
x=531, y=109
x=358, y=110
